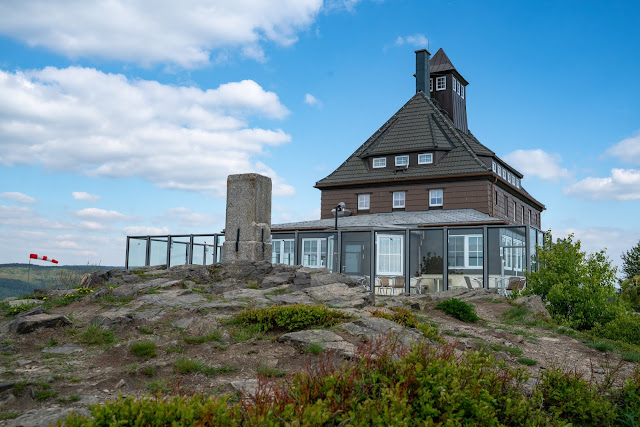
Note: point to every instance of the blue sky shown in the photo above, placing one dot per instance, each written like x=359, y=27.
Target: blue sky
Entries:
x=124, y=118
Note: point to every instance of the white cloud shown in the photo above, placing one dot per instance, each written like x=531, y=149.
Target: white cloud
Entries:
x=348, y=5
x=538, y=163
x=85, y=121
x=187, y=217
x=310, y=99
x=141, y=230
x=627, y=150
x=25, y=218
x=81, y=195
x=416, y=40
x=18, y=197
x=100, y=215
x=623, y=184
x=92, y=225
x=151, y=32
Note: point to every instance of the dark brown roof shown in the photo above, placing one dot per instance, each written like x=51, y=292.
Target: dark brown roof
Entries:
x=440, y=64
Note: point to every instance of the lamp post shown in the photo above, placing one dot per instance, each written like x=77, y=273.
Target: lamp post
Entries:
x=337, y=209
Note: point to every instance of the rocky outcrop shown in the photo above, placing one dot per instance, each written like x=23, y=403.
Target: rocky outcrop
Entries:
x=24, y=325
x=326, y=339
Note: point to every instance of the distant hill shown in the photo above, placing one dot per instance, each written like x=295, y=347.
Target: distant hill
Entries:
x=19, y=279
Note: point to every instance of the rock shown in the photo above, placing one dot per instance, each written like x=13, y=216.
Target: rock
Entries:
x=122, y=383
x=63, y=349
x=24, y=325
x=178, y=298
x=327, y=339
x=112, y=318
x=35, y=310
x=7, y=348
x=192, y=272
x=322, y=278
x=133, y=289
x=8, y=399
x=302, y=279
x=341, y=295
x=183, y=323
x=277, y=279
x=91, y=280
x=247, y=387
x=20, y=302
x=242, y=270
x=535, y=305
x=6, y=386
x=292, y=298
x=374, y=327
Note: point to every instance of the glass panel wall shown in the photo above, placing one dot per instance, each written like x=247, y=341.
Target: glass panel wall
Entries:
x=426, y=261
x=137, y=252
x=219, y=242
x=465, y=257
x=356, y=255
x=533, y=253
x=158, y=250
x=283, y=248
x=180, y=248
x=203, y=250
x=389, y=263
x=319, y=250
x=507, y=262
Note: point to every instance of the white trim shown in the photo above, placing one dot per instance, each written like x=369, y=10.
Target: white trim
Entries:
x=462, y=91
x=427, y=161
x=364, y=202
x=400, y=199
x=402, y=162
x=436, y=195
x=280, y=254
x=504, y=174
x=313, y=258
x=466, y=251
x=382, y=160
x=493, y=166
x=431, y=85
x=394, y=241
x=441, y=83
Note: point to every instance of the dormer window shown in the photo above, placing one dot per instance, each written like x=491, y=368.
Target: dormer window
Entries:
x=504, y=174
x=493, y=166
x=441, y=83
x=425, y=159
x=454, y=83
x=380, y=162
x=499, y=170
x=462, y=91
x=430, y=85
x=402, y=160
x=518, y=182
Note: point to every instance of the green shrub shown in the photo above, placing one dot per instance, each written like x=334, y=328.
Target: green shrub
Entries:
x=625, y=327
x=571, y=398
x=406, y=318
x=144, y=349
x=93, y=335
x=631, y=262
x=459, y=309
x=211, y=336
x=628, y=399
x=516, y=351
x=527, y=361
x=602, y=346
x=184, y=365
x=291, y=317
x=269, y=372
x=314, y=348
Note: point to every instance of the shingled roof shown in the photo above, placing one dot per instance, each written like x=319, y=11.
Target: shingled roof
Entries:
x=418, y=126
x=440, y=64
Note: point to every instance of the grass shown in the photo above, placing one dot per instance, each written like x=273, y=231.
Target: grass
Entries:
x=145, y=331
x=110, y=299
x=157, y=386
x=44, y=392
x=144, y=349
x=527, y=361
x=314, y=348
x=8, y=415
x=277, y=292
x=211, y=336
x=269, y=372
x=456, y=334
x=516, y=351
x=75, y=379
x=184, y=365
x=93, y=335
x=241, y=333
x=75, y=397
x=602, y=346
x=631, y=356
x=148, y=370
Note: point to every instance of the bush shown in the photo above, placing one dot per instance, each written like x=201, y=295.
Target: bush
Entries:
x=93, y=335
x=406, y=318
x=630, y=292
x=184, y=365
x=459, y=309
x=144, y=349
x=631, y=262
x=625, y=327
x=291, y=317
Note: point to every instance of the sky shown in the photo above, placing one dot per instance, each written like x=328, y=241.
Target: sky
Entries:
x=125, y=117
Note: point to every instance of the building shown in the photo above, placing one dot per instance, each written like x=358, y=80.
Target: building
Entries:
x=421, y=206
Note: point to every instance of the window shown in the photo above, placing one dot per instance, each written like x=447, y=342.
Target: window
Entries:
x=506, y=207
x=499, y=170
x=425, y=159
x=493, y=166
x=453, y=83
x=363, y=202
x=458, y=87
x=512, y=252
x=402, y=160
x=314, y=253
x=380, y=162
x=398, y=199
x=504, y=174
x=522, y=219
x=509, y=177
x=529, y=216
x=514, y=211
x=282, y=252
x=435, y=197
x=389, y=254
x=465, y=251
x=441, y=83
x=430, y=85
x=518, y=182
x=462, y=91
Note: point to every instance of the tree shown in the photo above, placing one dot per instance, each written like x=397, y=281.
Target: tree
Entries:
x=631, y=262
x=579, y=287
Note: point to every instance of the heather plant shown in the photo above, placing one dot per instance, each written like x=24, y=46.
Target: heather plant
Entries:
x=406, y=318
x=291, y=317
x=459, y=309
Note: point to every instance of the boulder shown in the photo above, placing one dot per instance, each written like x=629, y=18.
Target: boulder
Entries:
x=374, y=327
x=277, y=279
x=535, y=305
x=20, y=302
x=24, y=325
x=327, y=339
x=341, y=295
x=63, y=349
x=113, y=317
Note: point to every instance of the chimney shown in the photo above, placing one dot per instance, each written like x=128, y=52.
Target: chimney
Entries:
x=422, y=71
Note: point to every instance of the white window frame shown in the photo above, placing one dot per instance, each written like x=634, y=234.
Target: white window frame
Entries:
x=457, y=87
x=394, y=241
x=493, y=166
x=307, y=255
x=499, y=170
x=380, y=162
x=436, y=195
x=280, y=254
x=399, y=199
x=504, y=174
x=364, y=202
x=518, y=182
x=465, y=249
x=441, y=83
x=431, y=85
x=453, y=83
x=462, y=91
x=427, y=161
x=402, y=160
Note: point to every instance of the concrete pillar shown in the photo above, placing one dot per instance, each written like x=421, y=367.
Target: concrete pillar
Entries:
x=248, y=223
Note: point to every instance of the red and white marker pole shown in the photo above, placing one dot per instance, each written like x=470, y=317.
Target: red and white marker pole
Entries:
x=40, y=257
